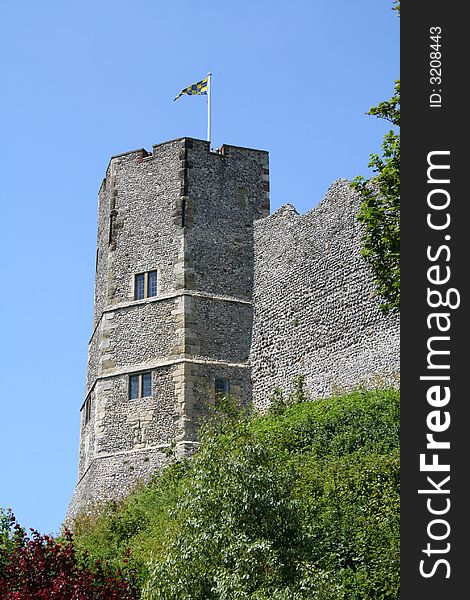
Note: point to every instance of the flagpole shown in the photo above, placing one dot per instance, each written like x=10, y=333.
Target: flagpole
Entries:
x=209, y=76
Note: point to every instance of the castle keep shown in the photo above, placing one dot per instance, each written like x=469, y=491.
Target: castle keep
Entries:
x=198, y=292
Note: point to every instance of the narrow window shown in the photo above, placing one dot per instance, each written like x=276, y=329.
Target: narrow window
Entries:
x=112, y=225
x=140, y=386
x=221, y=386
x=146, y=384
x=134, y=386
x=87, y=411
x=139, y=288
x=183, y=212
x=152, y=284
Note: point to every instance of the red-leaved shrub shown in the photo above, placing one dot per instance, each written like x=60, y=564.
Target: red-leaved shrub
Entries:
x=37, y=566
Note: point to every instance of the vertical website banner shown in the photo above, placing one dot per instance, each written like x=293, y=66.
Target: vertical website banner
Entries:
x=435, y=360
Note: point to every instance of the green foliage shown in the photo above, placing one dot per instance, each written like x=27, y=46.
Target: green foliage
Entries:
x=363, y=421
x=236, y=516
x=300, y=503
x=39, y=566
x=279, y=402
x=133, y=529
x=380, y=208
x=8, y=536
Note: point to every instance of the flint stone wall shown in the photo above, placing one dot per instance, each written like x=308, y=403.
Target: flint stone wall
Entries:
x=221, y=330
x=227, y=192
x=113, y=477
x=315, y=308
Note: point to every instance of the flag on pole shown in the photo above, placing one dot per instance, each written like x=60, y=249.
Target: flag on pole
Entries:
x=197, y=89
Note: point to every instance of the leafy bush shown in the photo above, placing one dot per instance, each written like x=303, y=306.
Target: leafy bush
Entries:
x=38, y=566
x=239, y=528
x=135, y=528
x=300, y=503
x=380, y=208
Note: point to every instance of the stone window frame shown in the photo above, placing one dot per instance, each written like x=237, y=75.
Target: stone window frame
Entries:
x=87, y=411
x=221, y=386
x=112, y=226
x=139, y=377
x=146, y=280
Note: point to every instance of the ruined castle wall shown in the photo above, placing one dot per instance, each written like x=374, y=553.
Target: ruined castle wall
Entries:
x=315, y=309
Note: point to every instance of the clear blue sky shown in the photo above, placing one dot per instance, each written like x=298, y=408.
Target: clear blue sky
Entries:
x=82, y=81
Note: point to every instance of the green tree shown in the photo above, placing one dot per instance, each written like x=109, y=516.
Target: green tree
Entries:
x=297, y=504
x=380, y=208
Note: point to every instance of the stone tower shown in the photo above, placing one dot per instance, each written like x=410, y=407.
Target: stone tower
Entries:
x=173, y=305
